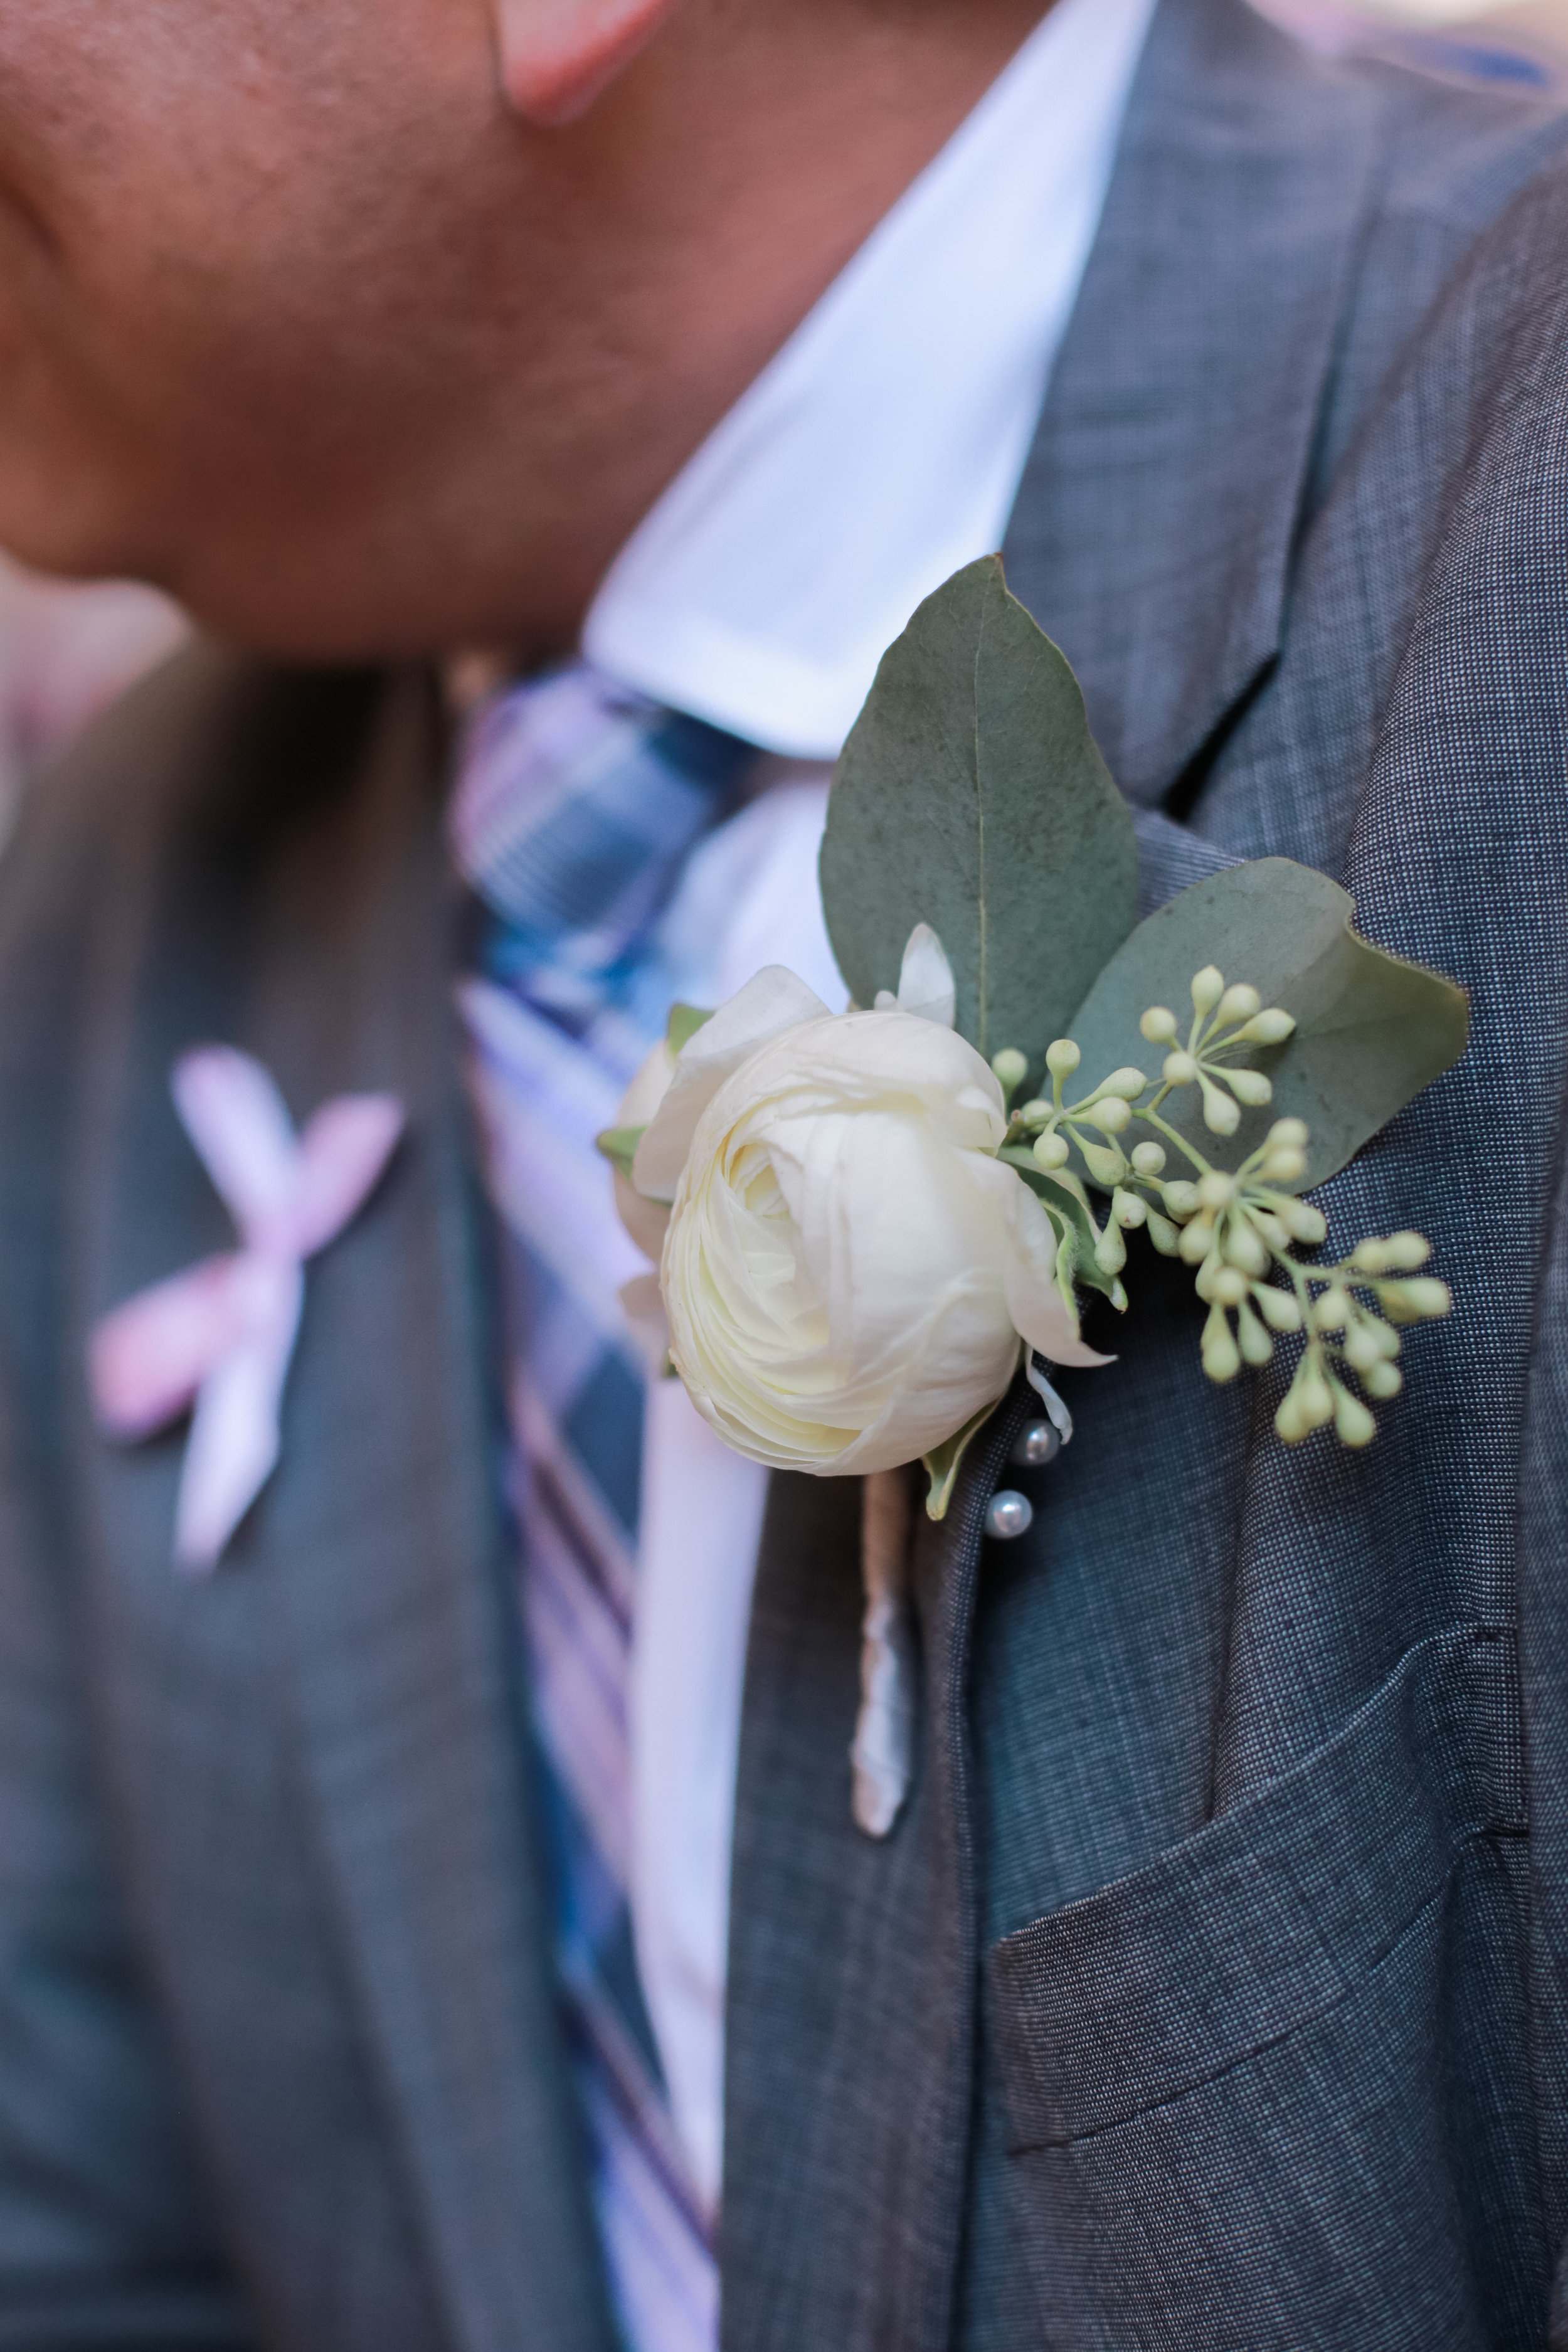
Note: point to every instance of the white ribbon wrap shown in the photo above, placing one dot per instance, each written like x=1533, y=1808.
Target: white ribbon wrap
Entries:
x=882, y=1751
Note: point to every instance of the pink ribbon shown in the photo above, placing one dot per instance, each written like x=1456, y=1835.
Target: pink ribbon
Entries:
x=221, y=1335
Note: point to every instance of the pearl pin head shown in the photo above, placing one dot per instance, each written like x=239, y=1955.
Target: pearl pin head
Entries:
x=1008, y=1515
x=1038, y=1443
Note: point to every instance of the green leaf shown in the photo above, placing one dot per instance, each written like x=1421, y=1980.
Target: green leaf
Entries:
x=1066, y=1204
x=1371, y=1029
x=1064, y=1226
x=970, y=796
x=943, y=1463
x=619, y=1145
x=685, y=1020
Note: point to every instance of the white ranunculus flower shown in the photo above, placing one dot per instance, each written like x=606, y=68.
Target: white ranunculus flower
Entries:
x=848, y=1270
x=645, y=1219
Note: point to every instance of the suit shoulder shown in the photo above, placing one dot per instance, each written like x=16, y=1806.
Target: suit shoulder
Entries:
x=77, y=816
x=1454, y=152
x=215, y=749
x=136, y=886
x=1463, y=211
x=191, y=789
x=209, y=737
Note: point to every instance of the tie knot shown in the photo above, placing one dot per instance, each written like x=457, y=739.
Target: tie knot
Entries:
x=576, y=802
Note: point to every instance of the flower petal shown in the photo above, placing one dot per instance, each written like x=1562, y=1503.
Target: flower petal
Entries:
x=234, y=1113
x=648, y=1088
x=1040, y=1314
x=646, y=1221
x=769, y=1005
x=850, y=1268
x=926, y=985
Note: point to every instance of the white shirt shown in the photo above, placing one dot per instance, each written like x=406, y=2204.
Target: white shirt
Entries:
x=877, y=453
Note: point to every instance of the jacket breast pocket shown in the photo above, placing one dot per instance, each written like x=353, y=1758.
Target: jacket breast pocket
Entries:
x=1228, y=2077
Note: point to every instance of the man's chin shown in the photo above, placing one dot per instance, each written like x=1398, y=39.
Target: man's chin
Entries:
x=323, y=594
x=349, y=622
x=68, y=545
x=300, y=621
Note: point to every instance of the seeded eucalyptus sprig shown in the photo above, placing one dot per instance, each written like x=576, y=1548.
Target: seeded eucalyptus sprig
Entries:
x=1237, y=1228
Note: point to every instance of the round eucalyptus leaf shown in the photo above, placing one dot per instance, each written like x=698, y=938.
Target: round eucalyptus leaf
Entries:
x=970, y=796
x=1371, y=1030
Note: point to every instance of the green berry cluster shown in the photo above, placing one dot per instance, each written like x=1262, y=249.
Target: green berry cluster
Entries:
x=1239, y=1229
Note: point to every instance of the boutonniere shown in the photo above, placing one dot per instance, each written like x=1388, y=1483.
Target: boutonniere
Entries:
x=867, y=1221
x=219, y=1337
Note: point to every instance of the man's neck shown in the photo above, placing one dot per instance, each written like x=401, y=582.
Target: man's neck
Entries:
x=704, y=205
x=761, y=167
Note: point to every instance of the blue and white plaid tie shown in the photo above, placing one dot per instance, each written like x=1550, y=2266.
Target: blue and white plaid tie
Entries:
x=575, y=808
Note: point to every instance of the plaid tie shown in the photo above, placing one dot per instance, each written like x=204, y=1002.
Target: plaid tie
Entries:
x=576, y=807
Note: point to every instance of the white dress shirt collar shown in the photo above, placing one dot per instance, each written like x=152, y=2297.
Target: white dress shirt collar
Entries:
x=883, y=446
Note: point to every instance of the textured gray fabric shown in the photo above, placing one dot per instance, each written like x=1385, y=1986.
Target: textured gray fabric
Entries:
x=269, y=1901
x=1210, y=1993
x=1214, y=1908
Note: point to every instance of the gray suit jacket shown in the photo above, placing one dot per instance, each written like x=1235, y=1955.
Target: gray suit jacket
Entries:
x=1210, y=1993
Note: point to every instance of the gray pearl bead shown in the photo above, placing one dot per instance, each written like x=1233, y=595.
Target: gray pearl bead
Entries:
x=1038, y=1443
x=1008, y=1514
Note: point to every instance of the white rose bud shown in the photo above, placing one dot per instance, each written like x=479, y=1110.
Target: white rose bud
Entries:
x=1416, y=1299
x=1302, y=1221
x=1257, y=1346
x=850, y=1269
x=1280, y=1310
x=1221, y=1356
x=1354, y=1425
x=1284, y=1167
x=1222, y=1114
x=1405, y=1252
x=1251, y=1087
x=1270, y=1027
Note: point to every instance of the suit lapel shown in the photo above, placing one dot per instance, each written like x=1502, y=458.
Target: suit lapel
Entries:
x=371, y=1569
x=853, y=1961
x=1152, y=538
x=1154, y=529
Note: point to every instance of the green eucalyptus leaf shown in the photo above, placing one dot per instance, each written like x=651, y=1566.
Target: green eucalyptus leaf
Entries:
x=970, y=796
x=1371, y=1029
x=685, y=1020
